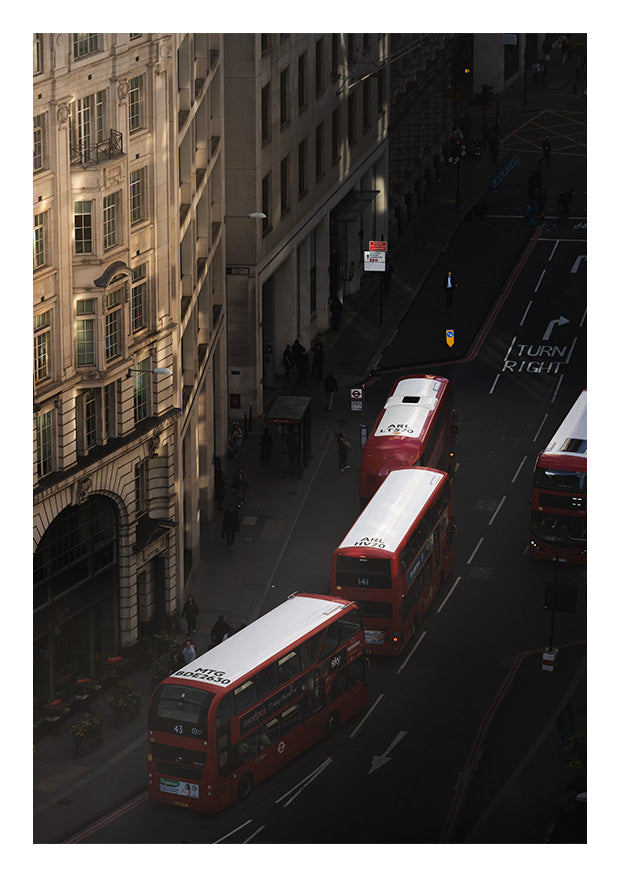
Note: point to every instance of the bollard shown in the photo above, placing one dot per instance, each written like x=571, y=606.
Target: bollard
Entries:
x=549, y=659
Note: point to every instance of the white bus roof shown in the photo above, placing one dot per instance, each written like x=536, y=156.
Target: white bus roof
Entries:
x=571, y=437
x=389, y=514
x=407, y=409
x=261, y=640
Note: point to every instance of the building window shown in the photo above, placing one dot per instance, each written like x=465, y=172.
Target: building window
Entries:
x=301, y=81
x=87, y=125
x=351, y=118
x=39, y=240
x=302, y=170
x=44, y=444
x=135, y=102
x=137, y=195
x=335, y=135
x=42, y=345
x=266, y=205
x=85, y=326
x=318, y=151
x=140, y=471
x=111, y=215
x=85, y=44
x=265, y=42
x=113, y=323
x=284, y=195
x=318, y=66
x=265, y=103
x=111, y=395
x=139, y=293
x=284, y=97
x=39, y=152
x=37, y=53
x=351, y=41
x=83, y=226
x=89, y=401
x=365, y=105
x=335, y=54
x=140, y=391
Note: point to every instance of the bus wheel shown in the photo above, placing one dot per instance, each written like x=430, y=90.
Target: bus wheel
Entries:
x=332, y=723
x=246, y=784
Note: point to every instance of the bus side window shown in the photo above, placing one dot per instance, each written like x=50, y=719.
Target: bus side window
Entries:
x=266, y=680
x=245, y=695
x=269, y=733
x=225, y=711
x=331, y=640
x=348, y=627
x=248, y=748
x=290, y=718
x=288, y=666
x=308, y=651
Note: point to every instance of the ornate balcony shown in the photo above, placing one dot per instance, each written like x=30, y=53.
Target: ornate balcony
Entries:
x=104, y=150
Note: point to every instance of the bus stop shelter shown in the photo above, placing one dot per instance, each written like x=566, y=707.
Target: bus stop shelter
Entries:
x=292, y=415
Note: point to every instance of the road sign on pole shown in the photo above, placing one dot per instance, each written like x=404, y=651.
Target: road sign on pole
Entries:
x=374, y=261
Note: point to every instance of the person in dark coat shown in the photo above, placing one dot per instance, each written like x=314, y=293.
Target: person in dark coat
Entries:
x=230, y=525
x=450, y=286
x=266, y=446
x=343, y=449
x=303, y=366
x=219, y=630
x=296, y=351
x=330, y=385
x=335, y=307
x=190, y=613
x=317, y=360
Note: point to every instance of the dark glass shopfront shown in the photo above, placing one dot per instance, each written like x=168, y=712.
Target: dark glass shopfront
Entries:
x=76, y=602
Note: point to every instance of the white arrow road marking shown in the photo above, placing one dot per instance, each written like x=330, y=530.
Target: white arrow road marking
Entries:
x=379, y=760
x=577, y=263
x=561, y=321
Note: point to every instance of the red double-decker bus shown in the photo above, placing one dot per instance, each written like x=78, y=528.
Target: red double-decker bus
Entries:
x=228, y=720
x=559, y=501
x=416, y=427
x=397, y=555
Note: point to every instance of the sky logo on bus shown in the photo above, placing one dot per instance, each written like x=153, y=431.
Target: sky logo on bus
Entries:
x=449, y=337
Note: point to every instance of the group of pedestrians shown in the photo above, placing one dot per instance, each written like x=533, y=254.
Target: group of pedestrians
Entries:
x=296, y=362
x=220, y=631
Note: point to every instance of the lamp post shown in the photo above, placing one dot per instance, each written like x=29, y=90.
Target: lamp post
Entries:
x=150, y=371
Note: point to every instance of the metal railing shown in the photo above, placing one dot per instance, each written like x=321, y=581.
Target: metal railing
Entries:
x=104, y=150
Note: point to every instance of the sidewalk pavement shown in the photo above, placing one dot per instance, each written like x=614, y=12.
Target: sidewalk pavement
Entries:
x=239, y=583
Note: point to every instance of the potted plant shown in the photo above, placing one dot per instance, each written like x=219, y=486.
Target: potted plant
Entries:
x=162, y=653
x=126, y=699
x=87, y=731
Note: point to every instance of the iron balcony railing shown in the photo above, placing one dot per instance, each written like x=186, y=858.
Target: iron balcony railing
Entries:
x=104, y=150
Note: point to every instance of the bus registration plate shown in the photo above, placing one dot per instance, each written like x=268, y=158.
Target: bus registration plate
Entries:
x=374, y=637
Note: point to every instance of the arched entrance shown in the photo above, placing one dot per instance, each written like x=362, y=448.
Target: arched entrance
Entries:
x=76, y=596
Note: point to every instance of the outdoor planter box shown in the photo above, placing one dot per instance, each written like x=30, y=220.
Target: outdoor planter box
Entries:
x=87, y=743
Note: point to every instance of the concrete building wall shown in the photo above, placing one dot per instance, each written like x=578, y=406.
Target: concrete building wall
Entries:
x=306, y=126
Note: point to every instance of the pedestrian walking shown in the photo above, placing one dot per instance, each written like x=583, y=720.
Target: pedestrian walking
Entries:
x=240, y=486
x=317, y=360
x=190, y=612
x=303, y=366
x=236, y=440
x=266, y=446
x=336, y=307
x=330, y=385
x=220, y=485
x=296, y=351
x=230, y=525
x=219, y=631
x=287, y=362
x=450, y=285
x=546, y=152
x=188, y=651
x=344, y=447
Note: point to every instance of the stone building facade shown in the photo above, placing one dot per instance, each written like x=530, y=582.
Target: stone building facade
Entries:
x=128, y=316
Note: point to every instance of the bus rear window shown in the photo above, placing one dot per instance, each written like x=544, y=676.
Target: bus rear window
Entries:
x=370, y=609
x=363, y=572
x=551, y=479
x=180, y=709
